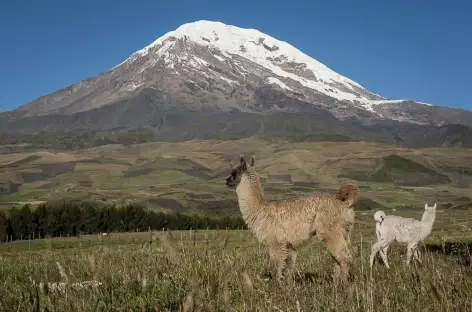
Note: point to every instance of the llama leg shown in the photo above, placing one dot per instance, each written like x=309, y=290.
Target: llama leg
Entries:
x=386, y=249
x=339, y=249
x=383, y=252
x=347, y=235
x=292, y=257
x=417, y=254
x=278, y=254
x=383, y=255
x=381, y=244
x=409, y=252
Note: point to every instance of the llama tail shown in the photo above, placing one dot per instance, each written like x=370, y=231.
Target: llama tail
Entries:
x=349, y=193
x=379, y=216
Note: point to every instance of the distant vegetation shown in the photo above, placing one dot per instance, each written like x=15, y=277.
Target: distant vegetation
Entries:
x=401, y=171
x=73, y=140
x=367, y=204
x=70, y=219
x=64, y=140
x=56, y=219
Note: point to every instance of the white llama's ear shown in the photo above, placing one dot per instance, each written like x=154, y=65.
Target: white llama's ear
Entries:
x=253, y=159
x=434, y=207
x=426, y=206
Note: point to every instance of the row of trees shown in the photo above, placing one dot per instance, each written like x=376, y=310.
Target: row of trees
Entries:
x=70, y=219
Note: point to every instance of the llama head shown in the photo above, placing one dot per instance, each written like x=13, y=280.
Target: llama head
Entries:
x=430, y=209
x=241, y=168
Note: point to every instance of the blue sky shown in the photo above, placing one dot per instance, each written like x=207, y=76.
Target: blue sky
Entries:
x=418, y=49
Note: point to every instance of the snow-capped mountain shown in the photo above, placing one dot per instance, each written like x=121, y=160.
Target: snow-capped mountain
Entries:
x=209, y=66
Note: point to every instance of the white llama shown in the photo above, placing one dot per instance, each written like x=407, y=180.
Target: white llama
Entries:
x=403, y=230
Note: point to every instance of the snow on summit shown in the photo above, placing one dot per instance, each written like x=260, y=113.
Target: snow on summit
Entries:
x=289, y=66
x=245, y=42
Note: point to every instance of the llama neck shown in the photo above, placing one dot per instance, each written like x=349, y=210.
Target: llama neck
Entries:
x=250, y=196
x=428, y=218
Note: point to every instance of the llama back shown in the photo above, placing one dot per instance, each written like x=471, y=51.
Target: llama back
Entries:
x=403, y=229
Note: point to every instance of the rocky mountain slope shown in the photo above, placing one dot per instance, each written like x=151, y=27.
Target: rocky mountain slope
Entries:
x=207, y=79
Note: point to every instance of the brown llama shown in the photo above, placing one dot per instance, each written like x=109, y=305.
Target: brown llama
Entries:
x=286, y=225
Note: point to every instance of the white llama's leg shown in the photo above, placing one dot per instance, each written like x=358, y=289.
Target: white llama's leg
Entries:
x=381, y=244
x=385, y=249
x=383, y=255
x=417, y=254
x=410, y=250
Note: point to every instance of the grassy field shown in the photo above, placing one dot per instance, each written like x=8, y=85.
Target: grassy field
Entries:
x=221, y=270
x=190, y=175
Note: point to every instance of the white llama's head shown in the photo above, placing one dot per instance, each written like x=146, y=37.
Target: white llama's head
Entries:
x=430, y=209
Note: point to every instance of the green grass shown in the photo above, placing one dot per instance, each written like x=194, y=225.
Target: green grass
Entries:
x=219, y=270
x=29, y=195
x=367, y=204
x=401, y=171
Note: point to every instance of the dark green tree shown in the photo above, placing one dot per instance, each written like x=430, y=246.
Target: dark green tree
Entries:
x=40, y=219
x=3, y=227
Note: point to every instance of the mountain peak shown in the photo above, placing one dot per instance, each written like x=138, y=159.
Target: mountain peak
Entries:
x=278, y=56
x=207, y=66
x=211, y=80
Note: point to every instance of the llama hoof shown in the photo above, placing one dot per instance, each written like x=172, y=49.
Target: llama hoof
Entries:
x=282, y=280
x=264, y=277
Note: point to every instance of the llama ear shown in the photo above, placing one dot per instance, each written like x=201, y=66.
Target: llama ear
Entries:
x=426, y=206
x=242, y=162
x=434, y=207
x=253, y=159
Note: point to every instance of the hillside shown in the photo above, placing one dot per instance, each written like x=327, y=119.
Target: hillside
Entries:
x=189, y=176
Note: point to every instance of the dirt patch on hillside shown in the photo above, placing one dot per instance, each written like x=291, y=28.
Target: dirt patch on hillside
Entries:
x=30, y=177
x=200, y=196
x=23, y=161
x=85, y=181
x=47, y=186
x=281, y=177
x=301, y=189
x=137, y=172
x=311, y=185
x=57, y=169
x=198, y=173
x=167, y=203
x=104, y=161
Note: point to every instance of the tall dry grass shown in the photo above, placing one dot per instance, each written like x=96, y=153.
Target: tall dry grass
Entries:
x=218, y=271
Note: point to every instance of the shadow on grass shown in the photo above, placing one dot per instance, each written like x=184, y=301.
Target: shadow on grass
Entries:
x=301, y=277
x=312, y=278
x=461, y=251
